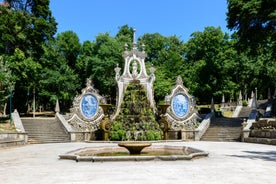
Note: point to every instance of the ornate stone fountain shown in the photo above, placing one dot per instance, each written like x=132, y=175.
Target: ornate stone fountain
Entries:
x=134, y=121
x=134, y=117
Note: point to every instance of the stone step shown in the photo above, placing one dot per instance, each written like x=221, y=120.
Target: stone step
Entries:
x=221, y=139
x=47, y=136
x=221, y=135
x=44, y=130
x=36, y=141
x=223, y=129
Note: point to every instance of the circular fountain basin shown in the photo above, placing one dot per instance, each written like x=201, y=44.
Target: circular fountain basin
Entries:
x=116, y=153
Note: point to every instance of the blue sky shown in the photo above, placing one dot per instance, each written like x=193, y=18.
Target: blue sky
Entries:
x=88, y=18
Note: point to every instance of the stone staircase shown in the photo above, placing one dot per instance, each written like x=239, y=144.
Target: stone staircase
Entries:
x=44, y=130
x=223, y=129
x=244, y=113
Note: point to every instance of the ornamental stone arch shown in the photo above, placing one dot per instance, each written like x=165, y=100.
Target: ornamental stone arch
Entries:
x=181, y=113
x=86, y=111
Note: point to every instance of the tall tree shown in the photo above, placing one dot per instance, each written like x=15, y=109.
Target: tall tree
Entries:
x=69, y=45
x=6, y=83
x=106, y=54
x=254, y=21
x=57, y=79
x=84, y=60
x=255, y=24
x=26, y=72
x=125, y=34
x=166, y=55
x=26, y=24
x=207, y=54
x=13, y=30
x=98, y=59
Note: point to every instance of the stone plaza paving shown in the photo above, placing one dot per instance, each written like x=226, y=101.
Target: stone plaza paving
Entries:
x=228, y=162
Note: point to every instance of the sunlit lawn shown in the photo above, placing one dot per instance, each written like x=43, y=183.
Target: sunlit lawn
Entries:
x=6, y=127
x=225, y=113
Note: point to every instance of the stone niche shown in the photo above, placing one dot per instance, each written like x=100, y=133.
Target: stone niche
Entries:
x=86, y=113
x=181, y=115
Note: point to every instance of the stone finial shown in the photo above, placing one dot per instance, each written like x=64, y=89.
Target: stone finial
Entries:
x=143, y=47
x=179, y=80
x=268, y=94
x=254, y=102
x=57, y=109
x=134, y=39
x=88, y=82
x=240, y=99
x=212, y=105
x=252, y=94
x=245, y=92
x=223, y=99
x=152, y=70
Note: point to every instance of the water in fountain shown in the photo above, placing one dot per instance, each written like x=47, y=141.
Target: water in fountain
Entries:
x=136, y=120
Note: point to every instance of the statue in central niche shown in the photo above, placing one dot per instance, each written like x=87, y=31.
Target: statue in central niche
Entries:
x=134, y=118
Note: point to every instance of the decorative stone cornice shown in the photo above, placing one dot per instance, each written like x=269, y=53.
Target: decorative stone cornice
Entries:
x=134, y=53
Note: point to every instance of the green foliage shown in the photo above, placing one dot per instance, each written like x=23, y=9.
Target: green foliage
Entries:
x=162, y=86
x=117, y=132
x=166, y=55
x=244, y=103
x=69, y=46
x=61, y=83
x=104, y=55
x=136, y=120
x=58, y=79
x=6, y=82
x=26, y=25
x=255, y=22
x=209, y=63
x=125, y=34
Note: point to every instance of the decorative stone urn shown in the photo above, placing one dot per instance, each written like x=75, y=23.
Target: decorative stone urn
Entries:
x=106, y=122
x=164, y=124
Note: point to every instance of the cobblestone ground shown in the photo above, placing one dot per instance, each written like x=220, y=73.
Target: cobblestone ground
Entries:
x=228, y=162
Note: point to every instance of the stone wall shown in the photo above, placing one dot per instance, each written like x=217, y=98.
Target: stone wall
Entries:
x=12, y=139
x=263, y=132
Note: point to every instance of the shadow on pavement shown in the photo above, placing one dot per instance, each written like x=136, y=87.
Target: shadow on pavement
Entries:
x=266, y=155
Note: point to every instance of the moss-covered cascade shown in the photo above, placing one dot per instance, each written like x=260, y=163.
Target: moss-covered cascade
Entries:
x=136, y=120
